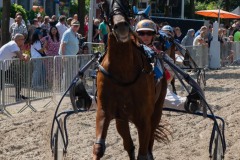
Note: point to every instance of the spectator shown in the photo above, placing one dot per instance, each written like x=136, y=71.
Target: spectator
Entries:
x=75, y=16
x=45, y=26
x=39, y=71
x=70, y=42
x=236, y=36
x=199, y=40
x=52, y=42
x=95, y=30
x=203, y=28
x=223, y=43
x=86, y=19
x=188, y=39
x=103, y=32
x=69, y=20
x=236, y=26
x=18, y=27
x=32, y=28
x=84, y=49
x=39, y=18
x=61, y=25
x=11, y=50
x=230, y=50
x=178, y=36
x=208, y=35
x=53, y=21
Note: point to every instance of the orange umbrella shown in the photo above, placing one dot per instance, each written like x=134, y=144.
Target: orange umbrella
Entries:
x=37, y=8
x=214, y=13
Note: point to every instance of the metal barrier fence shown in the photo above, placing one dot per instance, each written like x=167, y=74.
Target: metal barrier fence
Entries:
x=200, y=54
x=40, y=78
x=235, y=46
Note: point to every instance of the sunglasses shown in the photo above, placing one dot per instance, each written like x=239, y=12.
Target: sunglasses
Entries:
x=145, y=33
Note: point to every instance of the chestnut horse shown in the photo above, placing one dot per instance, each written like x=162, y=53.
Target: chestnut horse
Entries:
x=127, y=91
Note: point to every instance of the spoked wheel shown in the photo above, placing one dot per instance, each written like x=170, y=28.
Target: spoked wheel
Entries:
x=201, y=80
x=58, y=142
x=218, y=149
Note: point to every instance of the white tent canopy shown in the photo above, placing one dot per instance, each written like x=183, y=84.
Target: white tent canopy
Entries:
x=236, y=10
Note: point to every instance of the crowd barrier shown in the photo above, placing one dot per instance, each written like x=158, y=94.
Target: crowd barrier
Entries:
x=47, y=77
x=40, y=78
x=200, y=54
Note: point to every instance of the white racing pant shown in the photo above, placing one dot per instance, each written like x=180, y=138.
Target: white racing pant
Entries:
x=174, y=101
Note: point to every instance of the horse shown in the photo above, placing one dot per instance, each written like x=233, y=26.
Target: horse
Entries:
x=127, y=90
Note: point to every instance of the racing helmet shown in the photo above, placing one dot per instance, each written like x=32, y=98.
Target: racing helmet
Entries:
x=146, y=25
x=167, y=28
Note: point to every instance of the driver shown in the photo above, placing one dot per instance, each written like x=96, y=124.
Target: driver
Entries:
x=146, y=30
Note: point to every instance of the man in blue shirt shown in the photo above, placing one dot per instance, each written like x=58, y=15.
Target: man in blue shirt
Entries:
x=70, y=42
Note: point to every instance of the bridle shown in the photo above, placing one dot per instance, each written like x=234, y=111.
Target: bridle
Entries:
x=109, y=8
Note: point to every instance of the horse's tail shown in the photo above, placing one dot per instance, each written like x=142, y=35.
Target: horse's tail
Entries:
x=163, y=133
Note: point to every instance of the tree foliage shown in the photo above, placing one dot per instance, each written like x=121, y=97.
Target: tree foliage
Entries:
x=74, y=7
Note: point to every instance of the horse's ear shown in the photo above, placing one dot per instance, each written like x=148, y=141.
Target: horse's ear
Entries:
x=135, y=10
x=147, y=10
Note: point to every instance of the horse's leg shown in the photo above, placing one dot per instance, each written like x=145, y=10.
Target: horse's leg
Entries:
x=102, y=124
x=144, y=132
x=123, y=130
x=173, y=86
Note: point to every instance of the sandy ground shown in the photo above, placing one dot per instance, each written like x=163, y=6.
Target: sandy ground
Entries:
x=27, y=135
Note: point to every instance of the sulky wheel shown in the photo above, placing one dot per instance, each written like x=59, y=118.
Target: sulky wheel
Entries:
x=58, y=142
x=191, y=106
x=201, y=80
x=218, y=149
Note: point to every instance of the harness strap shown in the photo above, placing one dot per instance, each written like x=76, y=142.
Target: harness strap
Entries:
x=123, y=84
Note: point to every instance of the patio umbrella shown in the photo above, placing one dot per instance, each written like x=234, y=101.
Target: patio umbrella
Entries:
x=214, y=13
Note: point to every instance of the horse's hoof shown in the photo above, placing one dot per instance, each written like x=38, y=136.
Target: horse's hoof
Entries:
x=98, y=150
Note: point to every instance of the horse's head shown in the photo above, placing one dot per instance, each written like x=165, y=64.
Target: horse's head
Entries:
x=117, y=12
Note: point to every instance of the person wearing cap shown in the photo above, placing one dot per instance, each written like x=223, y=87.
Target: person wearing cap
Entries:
x=146, y=30
x=70, y=40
